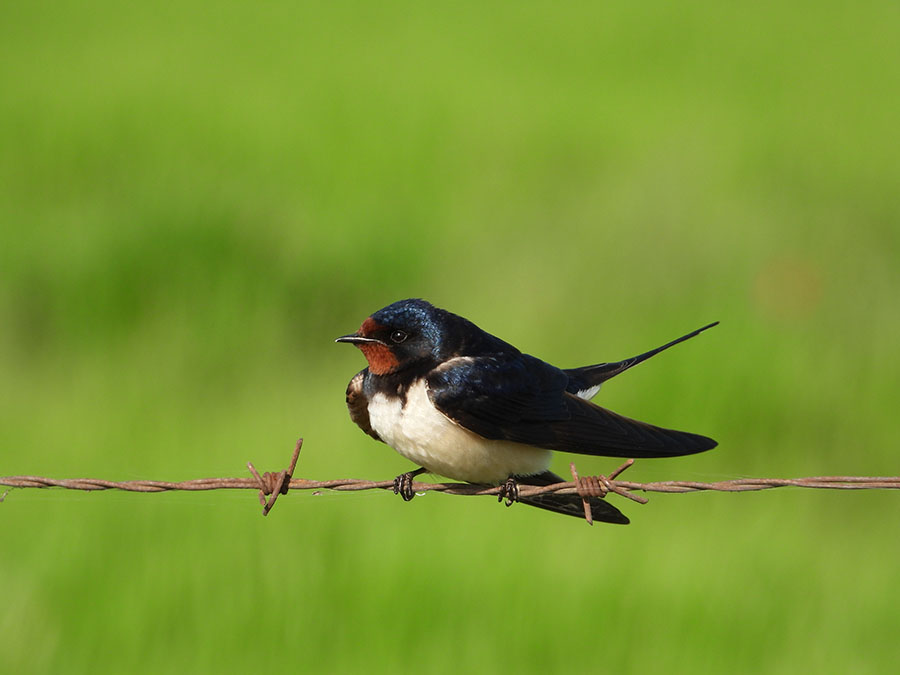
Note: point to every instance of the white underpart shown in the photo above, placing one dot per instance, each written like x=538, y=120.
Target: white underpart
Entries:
x=422, y=434
x=588, y=393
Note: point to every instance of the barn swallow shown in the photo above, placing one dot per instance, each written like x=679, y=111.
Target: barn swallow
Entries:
x=462, y=403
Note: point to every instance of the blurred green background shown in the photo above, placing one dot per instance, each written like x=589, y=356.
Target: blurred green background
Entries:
x=196, y=198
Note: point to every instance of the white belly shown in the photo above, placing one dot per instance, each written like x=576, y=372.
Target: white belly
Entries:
x=423, y=435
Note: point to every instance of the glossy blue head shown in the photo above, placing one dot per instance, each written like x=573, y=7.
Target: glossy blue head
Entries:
x=415, y=333
x=420, y=320
x=403, y=334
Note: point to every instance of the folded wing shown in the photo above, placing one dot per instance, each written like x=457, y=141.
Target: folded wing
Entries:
x=523, y=399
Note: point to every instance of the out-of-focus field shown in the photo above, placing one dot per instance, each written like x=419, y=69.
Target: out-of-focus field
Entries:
x=196, y=198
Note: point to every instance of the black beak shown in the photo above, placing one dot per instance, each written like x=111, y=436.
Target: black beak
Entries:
x=355, y=339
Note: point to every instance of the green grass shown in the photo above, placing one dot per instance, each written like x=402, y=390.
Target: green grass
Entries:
x=196, y=199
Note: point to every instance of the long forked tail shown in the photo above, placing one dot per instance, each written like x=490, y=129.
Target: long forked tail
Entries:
x=585, y=382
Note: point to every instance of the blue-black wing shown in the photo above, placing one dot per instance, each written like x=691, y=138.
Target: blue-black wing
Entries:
x=523, y=399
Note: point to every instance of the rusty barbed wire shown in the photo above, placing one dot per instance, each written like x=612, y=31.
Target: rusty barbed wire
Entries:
x=273, y=484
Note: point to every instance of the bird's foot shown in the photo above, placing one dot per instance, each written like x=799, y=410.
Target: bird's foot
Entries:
x=509, y=491
x=403, y=484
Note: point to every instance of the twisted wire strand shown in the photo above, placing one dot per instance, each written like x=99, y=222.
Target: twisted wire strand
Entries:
x=272, y=484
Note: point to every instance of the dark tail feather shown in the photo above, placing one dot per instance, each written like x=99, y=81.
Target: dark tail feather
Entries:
x=570, y=505
x=591, y=376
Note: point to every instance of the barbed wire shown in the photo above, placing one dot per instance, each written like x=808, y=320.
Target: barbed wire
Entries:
x=272, y=484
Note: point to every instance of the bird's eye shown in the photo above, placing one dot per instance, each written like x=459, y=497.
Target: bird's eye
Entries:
x=398, y=336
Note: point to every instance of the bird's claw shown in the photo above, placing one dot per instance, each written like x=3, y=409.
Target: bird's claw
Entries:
x=509, y=491
x=403, y=485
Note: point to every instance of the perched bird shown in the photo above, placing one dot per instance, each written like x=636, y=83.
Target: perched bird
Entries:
x=464, y=404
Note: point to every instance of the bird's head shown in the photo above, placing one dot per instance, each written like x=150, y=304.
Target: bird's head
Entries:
x=403, y=334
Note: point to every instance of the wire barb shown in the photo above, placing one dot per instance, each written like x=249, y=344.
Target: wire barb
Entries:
x=275, y=483
x=599, y=486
